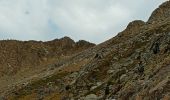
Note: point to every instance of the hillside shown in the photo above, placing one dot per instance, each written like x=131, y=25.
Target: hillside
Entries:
x=16, y=54
x=20, y=60
x=134, y=65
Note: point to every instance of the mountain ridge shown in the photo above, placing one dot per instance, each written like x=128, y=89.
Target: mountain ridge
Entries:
x=32, y=53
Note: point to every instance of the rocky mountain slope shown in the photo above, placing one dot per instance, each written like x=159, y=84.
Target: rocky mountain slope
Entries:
x=16, y=54
x=134, y=65
x=22, y=59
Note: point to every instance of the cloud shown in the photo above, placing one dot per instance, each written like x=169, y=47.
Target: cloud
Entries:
x=92, y=20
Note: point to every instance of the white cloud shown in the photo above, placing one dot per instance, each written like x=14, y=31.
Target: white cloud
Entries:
x=93, y=20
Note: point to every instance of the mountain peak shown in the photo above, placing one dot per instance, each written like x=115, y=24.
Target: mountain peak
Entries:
x=65, y=38
x=84, y=43
x=162, y=12
x=135, y=24
x=132, y=27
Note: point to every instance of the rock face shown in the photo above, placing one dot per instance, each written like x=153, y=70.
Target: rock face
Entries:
x=160, y=13
x=134, y=65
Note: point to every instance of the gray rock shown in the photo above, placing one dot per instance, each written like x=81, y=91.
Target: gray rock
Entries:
x=91, y=97
x=115, y=58
x=128, y=62
x=123, y=77
x=169, y=33
x=110, y=71
x=97, y=85
x=73, y=75
x=93, y=87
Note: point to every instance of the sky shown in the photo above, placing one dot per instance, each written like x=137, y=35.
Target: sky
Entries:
x=91, y=20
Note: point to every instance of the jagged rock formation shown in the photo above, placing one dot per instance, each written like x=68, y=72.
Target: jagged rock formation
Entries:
x=134, y=65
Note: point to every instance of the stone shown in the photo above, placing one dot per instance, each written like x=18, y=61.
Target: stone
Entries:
x=97, y=85
x=91, y=97
x=115, y=58
x=110, y=71
x=123, y=77
x=73, y=75
x=128, y=62
x=93, y=87
x=169, y=33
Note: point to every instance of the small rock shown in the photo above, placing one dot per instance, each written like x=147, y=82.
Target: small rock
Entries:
x=91, y=97
x=93, y=87
x=110, y=71
x=73, y=75
x=123, y=77
x=169, y=33
x=115, y=58
x=99, y=83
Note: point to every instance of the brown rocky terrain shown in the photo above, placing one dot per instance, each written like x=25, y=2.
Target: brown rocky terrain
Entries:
x=134, y=65
x=22, y=59
x=17, y=54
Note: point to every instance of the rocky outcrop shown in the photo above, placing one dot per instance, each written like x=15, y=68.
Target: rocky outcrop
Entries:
x=132, y=29
x=160, y=13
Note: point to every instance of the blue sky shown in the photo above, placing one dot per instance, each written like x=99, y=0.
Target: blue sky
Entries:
x=92, y=20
